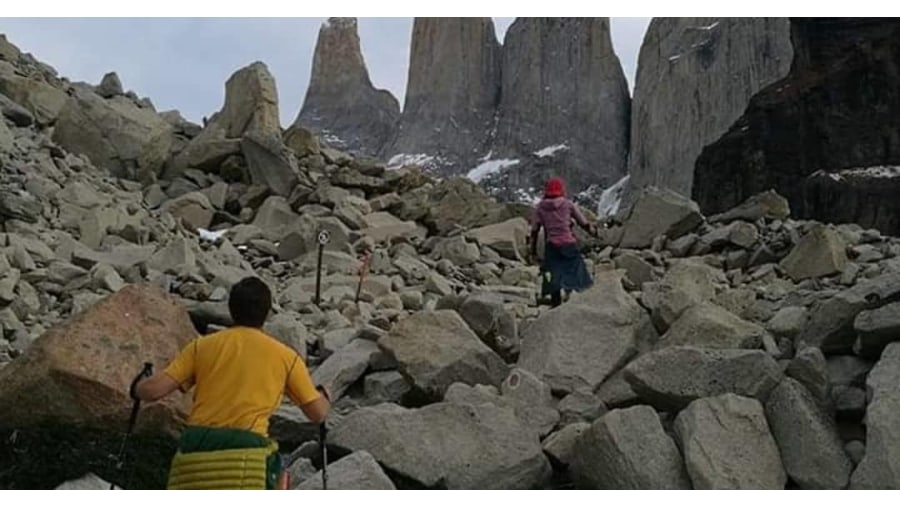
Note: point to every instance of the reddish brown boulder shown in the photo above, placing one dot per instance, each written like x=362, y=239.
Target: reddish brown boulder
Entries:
x=78, y=373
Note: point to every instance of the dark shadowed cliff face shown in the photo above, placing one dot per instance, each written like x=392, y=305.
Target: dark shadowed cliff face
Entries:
x=811, y=135
x=695, y=78
x=452, y=93
x=341, y=104
x=565, y=106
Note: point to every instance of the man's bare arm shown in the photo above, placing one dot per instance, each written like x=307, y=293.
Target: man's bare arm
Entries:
x=317, y=410
x=156, y=387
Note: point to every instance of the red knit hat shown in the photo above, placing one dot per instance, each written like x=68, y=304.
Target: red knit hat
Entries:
x=554, y=188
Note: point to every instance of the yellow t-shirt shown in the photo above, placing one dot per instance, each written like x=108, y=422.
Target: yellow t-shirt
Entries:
x=240, y=376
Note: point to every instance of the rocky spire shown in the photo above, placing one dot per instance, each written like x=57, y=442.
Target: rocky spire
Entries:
x=452, y=93
x=565, y=103
x=341, y=105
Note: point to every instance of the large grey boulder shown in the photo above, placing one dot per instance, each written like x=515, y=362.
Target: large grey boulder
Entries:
x=251, y=104
x=659, y=212
x=448, y=445
x=7, y=142
x=250, y=107
x=580, y=406
x=628, y=449
x=581, y=343
x=810, y=368
x=830, y=325
x=127, y=140
x=821, y=252
x=270, y=163
x=876, y=329
x=788, y=322
x=345, y=366
x=43, y=100
x=509, y=238
x=688, y=282
x=458, y=251
x=885, y=376
x=673, y=377
x=110, y=86
x=289, y=330
x=711, y=326
x=807, y=436
x=542, y=418
x=194, y=209
x=436, y=349
x=384, y=227
x=355, y=471
x=13, y=111
x=879, y=468
x=769, y=205
x=19, y=205
x=561, y=446
x=493, y=323
x=727, y=444
x=277, y=220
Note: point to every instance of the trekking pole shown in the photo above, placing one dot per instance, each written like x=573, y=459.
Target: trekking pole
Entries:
x=323, y=437
x=146, y=372
x=363, y=271
x=323, y=238
x=323, y=441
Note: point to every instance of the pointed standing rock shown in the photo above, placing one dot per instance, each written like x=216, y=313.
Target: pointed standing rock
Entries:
x=341, y=105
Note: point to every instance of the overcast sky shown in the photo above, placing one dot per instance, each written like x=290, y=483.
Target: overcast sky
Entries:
x=183, y=63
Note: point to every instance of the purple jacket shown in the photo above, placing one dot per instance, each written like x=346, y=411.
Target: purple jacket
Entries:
x=556, y=215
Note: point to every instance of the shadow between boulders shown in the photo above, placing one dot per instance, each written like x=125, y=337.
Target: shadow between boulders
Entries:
x=43, y=457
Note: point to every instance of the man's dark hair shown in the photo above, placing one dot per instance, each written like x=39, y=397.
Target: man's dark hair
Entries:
x=249, y=302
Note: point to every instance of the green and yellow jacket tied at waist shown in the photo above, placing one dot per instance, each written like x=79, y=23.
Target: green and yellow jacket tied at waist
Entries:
x=224, y=458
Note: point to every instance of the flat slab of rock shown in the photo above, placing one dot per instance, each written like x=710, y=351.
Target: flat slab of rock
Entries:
x=445, y=445
x=727, y=444
x=807, y=437
x=628, y=449
x=673, y=377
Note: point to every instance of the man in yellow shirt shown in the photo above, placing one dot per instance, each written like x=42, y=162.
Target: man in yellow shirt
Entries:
x=239, y=377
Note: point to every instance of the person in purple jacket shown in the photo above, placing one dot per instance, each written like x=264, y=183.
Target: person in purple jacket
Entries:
x=562, y=258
